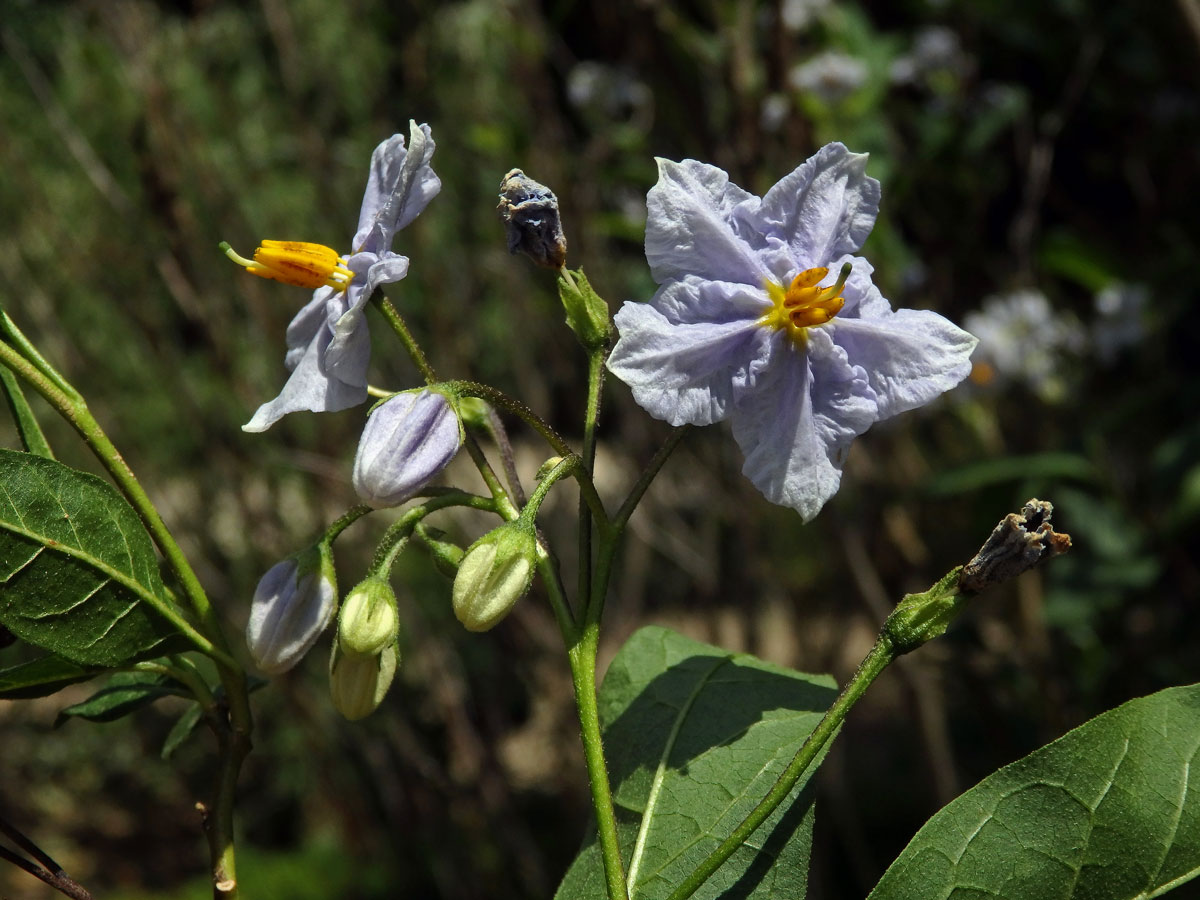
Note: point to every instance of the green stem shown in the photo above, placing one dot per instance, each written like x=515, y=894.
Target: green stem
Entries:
x=878, y=659
x=643, y=482
x=396, y=321
x=516, y=407
x=28, y=428
x=582, y=655
x=587, y=507
x=398, y=533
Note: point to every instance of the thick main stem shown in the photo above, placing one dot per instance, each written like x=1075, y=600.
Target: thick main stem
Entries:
x=582, y=655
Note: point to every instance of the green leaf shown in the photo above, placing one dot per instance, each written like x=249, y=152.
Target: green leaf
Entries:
x=78, y=573
x=42, y=677
x=696, y=736
x=124, y=693
x=182, y=729
x=1110, y=810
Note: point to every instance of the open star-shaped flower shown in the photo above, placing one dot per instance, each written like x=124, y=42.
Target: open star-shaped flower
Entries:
x=328, y=342
x=764, y=316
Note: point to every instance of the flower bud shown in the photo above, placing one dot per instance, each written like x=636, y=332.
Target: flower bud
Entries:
x=408, y=439
x=367, y=622
x=292, y=605
x=357, y=684
x=494, y=575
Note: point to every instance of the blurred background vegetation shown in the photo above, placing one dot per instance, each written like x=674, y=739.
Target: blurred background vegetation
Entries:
x=1039, y=168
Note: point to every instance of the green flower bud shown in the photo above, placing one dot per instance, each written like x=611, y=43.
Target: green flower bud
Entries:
x=494, y=575
x=587, y=312
x=358, y=684
x=545, y=468
x=446, y=555
x=368, y=622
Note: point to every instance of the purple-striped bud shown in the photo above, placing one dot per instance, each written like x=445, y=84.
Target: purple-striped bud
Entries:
x=293, y=604
x=408, y=439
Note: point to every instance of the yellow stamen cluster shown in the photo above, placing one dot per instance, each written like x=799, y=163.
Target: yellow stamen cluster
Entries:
x=296, y=262
x=802, y=304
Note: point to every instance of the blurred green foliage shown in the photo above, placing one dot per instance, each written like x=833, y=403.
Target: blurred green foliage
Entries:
x=1021, y=145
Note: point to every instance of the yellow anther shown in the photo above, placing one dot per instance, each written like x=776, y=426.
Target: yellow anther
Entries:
x=802, y=304
x=296, y=262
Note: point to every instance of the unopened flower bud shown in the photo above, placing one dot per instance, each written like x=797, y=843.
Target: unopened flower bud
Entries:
x=446, y=555
x=358, y=684
x=367, y=622
x=494, y=575
x=292, y=605
x=547, y=467
x=530, y=214
x=408, y=439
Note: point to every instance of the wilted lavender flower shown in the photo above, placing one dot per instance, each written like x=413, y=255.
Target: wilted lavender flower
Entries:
x=328, y=343
x=1022, y=338
x=293, y=603
x=832, y=76
x=408, y=439
x=749, y=324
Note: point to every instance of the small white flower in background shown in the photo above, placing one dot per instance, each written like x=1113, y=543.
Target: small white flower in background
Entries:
x=832, y=76
x=774, y=112
x=798, y=14
x=408, y=439
x=1119, y=321
x=293, y=603
x=935, y=48
x=1023, y=339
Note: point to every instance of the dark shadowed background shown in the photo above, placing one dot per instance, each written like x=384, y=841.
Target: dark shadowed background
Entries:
x=1039, y=169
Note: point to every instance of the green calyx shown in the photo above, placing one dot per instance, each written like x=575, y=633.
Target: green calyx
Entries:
x=587, y=313
x=919, y=618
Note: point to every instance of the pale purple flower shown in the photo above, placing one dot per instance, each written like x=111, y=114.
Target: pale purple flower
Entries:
x=741, y=328
x=408, y=439
x=293, y=603
x=328, y=343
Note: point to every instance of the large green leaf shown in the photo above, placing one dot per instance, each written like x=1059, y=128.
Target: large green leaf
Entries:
x=78, y=573
x=1110, y=810
x=696, y=736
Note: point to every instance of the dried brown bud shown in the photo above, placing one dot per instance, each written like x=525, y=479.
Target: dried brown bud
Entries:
x=1018, y=543
x=530, y=214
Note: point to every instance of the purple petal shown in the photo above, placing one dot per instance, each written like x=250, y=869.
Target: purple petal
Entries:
x=910, y=356
x=315, y=384
x=682, y=366
x=824, y=209
x=408, y=439
x=400, y=185
x=796, y=424
x=690, y=226
x=287, y=615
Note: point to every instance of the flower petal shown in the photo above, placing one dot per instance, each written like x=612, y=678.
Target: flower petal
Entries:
x=910, y=356
x=682, y=367
x=313, y=385
x=408, y=439
x=400, y=185
x=690, y=226
x=824, y=209
x=796, y=424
